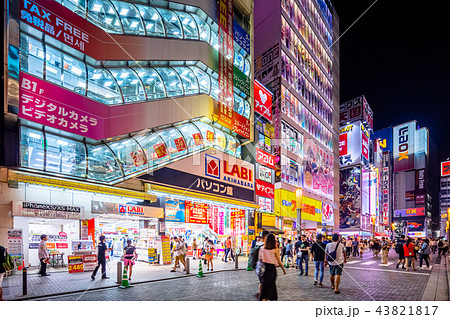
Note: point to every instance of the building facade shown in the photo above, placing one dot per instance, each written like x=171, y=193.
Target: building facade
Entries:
x=444, y=199
x=296, y=59
x=126, y=119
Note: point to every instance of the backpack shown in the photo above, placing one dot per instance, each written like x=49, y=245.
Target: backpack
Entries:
x=332, y=255
x=253, y=258
x=6, y=259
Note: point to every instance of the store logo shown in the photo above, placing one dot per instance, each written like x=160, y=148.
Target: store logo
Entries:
x=212, y=168
x=403, y=144
x=131, y=210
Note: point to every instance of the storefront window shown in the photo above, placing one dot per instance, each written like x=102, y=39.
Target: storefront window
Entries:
x=31, y=55
x=175, y=143
x=102, y=86
x=171, y=81
x=103, y=14
x=152, y=20
x=189, y=79
x=31, y=148
x=65, y=156
x=203, y=80
x=204, y=28
x=192, y=136
x=129, y=83
x=53, y=65
x=154, y=148
x=172, y=23
x=130, y=155
x=101, y=164
x=189, y=25
x=130, y=17
x=208, y=132
x=153, y=84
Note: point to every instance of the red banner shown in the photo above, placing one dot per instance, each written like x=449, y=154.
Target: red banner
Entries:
x=264, y=189
x=263, y=100
x=196, y=213
x=265, y=158
x=237, y=222
x=241, y=125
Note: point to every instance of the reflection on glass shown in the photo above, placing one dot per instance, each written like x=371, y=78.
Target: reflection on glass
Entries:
x=207, y=132
x=31, y=148
x=247, y=109
x=172, y=24
x=152, y=20
x=232, y=144
x=101, y=164
x=103, y=14
x=238, y=61
x=171, y=81
x=153, y=84
x=102, y=86
x=130, y=155
x=239, y=105
x=220, y=140
x=77, y=6
x=74, y=74
x=129, y=83
x=192, y=136
x=31, y=55
x=65, y=156
x=130, y=17
x=154, y=148
x=203, y=28
x=203, y=80
x=189, y=25
x=175, y=143
x=53, y=65
x=247, y=67
x=214, y=89
x=189, y=80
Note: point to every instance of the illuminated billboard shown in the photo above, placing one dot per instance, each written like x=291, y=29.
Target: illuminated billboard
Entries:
x=353, y=144
x=404, y=146
x=445, y=168
x=350, y=199
x=410, y=212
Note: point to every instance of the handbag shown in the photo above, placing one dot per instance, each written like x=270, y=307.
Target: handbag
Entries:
x=332, y=256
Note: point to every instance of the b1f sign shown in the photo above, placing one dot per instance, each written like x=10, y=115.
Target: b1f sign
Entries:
x=404, y=146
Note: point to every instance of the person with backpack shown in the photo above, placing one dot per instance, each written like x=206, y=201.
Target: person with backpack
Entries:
x=254, y=256
x=210, y=254
x=2, y=269
x=336, y=258
x=424, y=253
x=400, y=251
x=130, y=255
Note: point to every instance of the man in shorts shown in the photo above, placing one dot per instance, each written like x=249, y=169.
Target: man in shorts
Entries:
x=337, y=264
x=178, y=252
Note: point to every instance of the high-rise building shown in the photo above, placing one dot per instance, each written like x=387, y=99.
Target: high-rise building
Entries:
x=126, y=118
x=444, y=199
x=296, y=58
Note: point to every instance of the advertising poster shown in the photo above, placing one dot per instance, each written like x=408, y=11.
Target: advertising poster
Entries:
x=415, y=224
x=237, y=222
x=265, y=158
x=165, y=246
x=350, y=199
x=445, y=168
x=152, y=255
x=75, y=263
x=404, y=146
x=263, y=101
x=410, y=212
x=241, y=37
x=318, y=169
x=264, y=189
x=385, y=187
x=420, y=191
x=15, y=247
x=351, y=144
x=311, y=209
x=196, y=213
x=89, y=262
x=327, y=214
x=175, y=210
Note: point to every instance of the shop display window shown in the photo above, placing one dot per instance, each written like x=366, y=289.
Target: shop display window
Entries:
x=103, y=14
x=102, y=86
x=172, y=81
x=154, y=148
x=102, y=164
x=153, y=84
x=174, y=141
x=130, y=85
x=31, y=55
x=189, y=25
x=31, y=148
x=152, y=20
x=192, y=136
x=171, y=23
x=65, y=156
x=130, y=17
x=130, y=155
x=189, y=79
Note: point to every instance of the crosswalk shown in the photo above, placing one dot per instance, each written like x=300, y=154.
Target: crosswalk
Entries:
x=376, y=263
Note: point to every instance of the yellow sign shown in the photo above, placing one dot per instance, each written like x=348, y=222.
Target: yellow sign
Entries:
x=285, y=203
x=346, y=129
x=288, y=223
x=312, y=209
x=268, y=220
x=269, y=131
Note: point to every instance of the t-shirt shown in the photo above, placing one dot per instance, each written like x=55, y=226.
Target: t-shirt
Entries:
x=227, y=243
x=288, y=249
x=178, y=248
x=297, y=245
x=42, y=250
x=129, y=250
x=319, y=251
x=304, y=247
x=101, y=251
x=339, y=253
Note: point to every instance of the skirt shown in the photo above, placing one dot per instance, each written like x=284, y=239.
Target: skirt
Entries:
x=268, y=286
x=128, y=262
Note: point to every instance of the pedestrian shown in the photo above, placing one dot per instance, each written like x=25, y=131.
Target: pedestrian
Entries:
x=376, y=248
x=43, y=255
x=297, y=251
x=101, y=258
x=424, y=253
x=408, y=248
x=362, y=247
x=130, y=255
x=348, y=246
x=400, y=251
x=384, y=250
x=336, y=258
x=194, y=248
x=228, y=248
x=183, y=250
x=318, y=255
x=2, y=269
x=204, y=245
x=260, y=244
x=355, y=247
x=178, y=253
x=283, y=248
x=270, y=256
x=255, y=241
x=210, y=254
x=304, y=255
x=289, y=249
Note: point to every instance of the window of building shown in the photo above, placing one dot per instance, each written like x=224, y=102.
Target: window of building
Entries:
x=65, y=156
x=154, y=148
x=130, y=17
x=203, y=80
x=103, y=14
x=31, y=148
x=102, y=86
x=102, y=164
x=189, y=79
x=174, y=141
x=189, y=26
x=208, y=132
x=152, y=20
x=130, y=155
x=130, y=85
x=74, y=74
x=31, y=55
x=153, y=84
x=53, y=65
x=203, y=29
x=171, y=23
x=171, y=80
x=192, y=136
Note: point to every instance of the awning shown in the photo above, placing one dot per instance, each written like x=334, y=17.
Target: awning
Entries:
x=273, y=230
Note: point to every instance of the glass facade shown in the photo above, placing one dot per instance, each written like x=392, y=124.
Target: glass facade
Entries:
x=114, y=161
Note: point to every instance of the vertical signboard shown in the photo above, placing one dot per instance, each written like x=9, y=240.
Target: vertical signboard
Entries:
x=15, y=246
x=404, y=146
x=385, y=188
x=350, y=199
x=226, y=55
x=420, y=191
x=263, y=100
x=350, y=144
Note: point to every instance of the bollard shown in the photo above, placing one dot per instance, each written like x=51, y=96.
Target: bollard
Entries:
x=119, y=273
x=188, y=266
x=236, y=263
x=24, y=282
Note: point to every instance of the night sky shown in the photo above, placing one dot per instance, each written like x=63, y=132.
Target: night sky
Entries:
x=398, y=56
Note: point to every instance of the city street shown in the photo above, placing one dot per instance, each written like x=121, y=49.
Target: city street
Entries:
x=363, y=279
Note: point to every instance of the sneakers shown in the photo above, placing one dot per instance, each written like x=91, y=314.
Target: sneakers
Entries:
x=320, y=285
x=315, y=282
x=306, y=273
x=92, y=277
x=173, y=270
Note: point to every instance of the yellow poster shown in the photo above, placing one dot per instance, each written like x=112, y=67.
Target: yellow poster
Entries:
x=268, y=220
x=285, y=203
x=312, y=209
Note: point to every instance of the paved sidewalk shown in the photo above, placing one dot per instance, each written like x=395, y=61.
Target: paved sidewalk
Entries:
x=60, y=281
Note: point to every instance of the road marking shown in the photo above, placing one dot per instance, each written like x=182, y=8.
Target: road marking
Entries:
x=353, y=262
x=385, y=265
x=369, y=262
x=388, y=270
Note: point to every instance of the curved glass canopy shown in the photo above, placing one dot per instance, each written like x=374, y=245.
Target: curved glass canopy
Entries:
x=122, y=17
x=119, y=160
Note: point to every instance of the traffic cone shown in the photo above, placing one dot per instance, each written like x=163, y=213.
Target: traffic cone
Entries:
x=125, y=283
x=249, y=268
x=200, y=269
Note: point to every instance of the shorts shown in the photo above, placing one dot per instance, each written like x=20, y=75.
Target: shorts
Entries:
x=128, y=262
x=178, y=258
x=1, y=278
x=401, y=256
x=336, y=270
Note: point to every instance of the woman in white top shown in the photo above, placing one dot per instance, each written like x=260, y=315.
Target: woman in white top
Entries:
x=270, y=256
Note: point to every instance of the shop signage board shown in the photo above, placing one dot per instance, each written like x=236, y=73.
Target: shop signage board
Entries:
x=89, y=262
x=445, y=168
x=265, y=158
x=237, y=222
x=268, y=220
x=269, y=130
x=420, y=190
x=404, y=143
x=263, y=100
x=317, y=164
x=75, y=263
x=98, y=207
x=353, y=144
x=31, y=209
x=175, y=210
x=265, y=174
x=15, y=246
x=265, y=203
x=241, y=125
x=241, y=81
x=385, y=187
x=327, y=214
x=356, y=109
x=196, y=213
x=410, y=212
x=165, y=244
x=264, y=189
x=241, y=37
x=285, y=203
x=311, y=209
x=350, y=199
x=152, y=255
